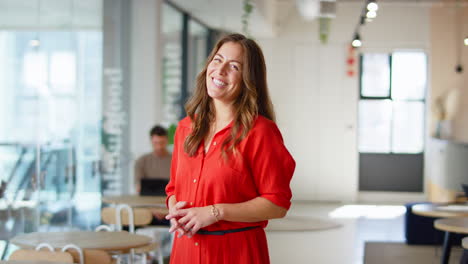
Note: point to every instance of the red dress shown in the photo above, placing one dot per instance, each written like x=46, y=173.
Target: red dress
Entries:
x=264, y=168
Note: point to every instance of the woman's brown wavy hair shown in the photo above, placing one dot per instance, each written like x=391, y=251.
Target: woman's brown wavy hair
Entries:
x=253, y=99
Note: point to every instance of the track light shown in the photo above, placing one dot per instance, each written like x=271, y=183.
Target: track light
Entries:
x=371, y=14
x=372, y=6
x=466, y=41
x=356, y=41
x=362, y=20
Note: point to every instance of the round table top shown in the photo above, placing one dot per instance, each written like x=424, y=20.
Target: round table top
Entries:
x=136, y=200
x=28, y=262
x=441, y=210
x=108, y=241
x=453, y=225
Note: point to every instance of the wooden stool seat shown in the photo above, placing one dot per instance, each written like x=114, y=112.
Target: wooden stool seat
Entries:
x=141, y=216
x=41, y=255
x=92, y=256
x=146, y=249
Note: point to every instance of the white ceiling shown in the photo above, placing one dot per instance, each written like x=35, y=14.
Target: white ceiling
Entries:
x=226, y=14
x=56, y=14
x=267, y=16
x=265, y=20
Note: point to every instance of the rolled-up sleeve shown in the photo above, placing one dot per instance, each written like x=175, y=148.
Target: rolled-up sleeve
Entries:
x=271, y=164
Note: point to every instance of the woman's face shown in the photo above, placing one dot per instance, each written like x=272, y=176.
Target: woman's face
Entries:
x=224, y=73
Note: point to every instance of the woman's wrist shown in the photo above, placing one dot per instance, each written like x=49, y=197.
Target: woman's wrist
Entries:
x=214, y=212
x=171, y=202
x=219, y=210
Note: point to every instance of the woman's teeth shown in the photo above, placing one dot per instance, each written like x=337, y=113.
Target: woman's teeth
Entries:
x=218, y=82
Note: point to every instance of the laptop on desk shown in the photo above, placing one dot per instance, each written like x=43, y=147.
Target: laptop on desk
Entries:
x=153, y=187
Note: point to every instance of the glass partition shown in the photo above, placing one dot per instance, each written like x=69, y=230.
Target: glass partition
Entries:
x=172, y=27
x=50, y=87
x=185, y=45
x=197, y=51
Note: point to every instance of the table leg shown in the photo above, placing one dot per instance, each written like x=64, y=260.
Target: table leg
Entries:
x=447, y=247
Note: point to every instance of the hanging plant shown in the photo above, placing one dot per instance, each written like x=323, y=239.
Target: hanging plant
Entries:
x=324, y=29
x=247, y=8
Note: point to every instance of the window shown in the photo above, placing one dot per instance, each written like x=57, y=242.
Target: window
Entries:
x=185, y=45
x=197, y=51
x=391, y=107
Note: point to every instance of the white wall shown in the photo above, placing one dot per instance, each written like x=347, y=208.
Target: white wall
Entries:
x=445, y=80
x=316, y=102
x=145, y=83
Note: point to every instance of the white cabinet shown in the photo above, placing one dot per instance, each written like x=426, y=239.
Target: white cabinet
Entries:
x=446, y=168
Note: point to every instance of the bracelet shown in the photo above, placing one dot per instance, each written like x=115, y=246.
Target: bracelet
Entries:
x=215, y=212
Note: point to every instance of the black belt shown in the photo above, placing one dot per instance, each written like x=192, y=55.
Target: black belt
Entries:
x=223, y=232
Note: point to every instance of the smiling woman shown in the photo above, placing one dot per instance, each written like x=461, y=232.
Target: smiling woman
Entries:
x=230, y=169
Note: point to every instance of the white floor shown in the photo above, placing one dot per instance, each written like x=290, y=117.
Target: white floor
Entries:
x=345, y=245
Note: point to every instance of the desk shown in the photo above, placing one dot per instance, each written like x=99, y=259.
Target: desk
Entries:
x=449, y=226
x=136, y=200
x=441, y=210
x=107, y=241
x=157, y=204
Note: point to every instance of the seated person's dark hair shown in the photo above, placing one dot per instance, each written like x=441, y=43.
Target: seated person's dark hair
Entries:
x=158, y=130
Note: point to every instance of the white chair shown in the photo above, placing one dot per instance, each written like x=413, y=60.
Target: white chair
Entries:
x=88, y=256
x=159, y=235
x=123, y=214
x=106, y=228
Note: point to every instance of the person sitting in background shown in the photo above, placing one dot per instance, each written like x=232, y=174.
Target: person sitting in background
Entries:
x=156, y=164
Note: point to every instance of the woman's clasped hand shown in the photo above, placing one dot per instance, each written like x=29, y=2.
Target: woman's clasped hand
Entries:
x=187, y=221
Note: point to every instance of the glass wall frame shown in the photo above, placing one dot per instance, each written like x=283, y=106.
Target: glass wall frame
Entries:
x=186, y=43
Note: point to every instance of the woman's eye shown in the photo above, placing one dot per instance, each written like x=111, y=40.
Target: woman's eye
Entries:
x=217, y=59
x=235, y=67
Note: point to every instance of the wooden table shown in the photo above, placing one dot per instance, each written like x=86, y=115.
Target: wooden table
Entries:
x=441, y=210
x=450, y=211
x=449, y=226
x=136, y=200
x=107, y=241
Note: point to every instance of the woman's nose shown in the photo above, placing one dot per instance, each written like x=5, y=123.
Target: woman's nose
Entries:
x=222, y=68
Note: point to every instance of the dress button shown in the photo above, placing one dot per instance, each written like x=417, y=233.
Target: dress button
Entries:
x=194, y=180
x=196, y=244
x=214, y=143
